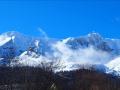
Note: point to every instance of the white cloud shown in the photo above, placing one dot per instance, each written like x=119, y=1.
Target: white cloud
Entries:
x=42, y=33
x=80, y=56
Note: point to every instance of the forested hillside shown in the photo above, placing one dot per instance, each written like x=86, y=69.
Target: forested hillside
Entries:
x=34, y=78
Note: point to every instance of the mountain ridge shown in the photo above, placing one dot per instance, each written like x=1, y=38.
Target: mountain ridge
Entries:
x=51, y=49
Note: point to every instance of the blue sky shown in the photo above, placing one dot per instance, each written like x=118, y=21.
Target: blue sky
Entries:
x=61, y=19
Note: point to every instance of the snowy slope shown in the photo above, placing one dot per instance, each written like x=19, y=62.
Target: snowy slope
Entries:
x=114, y=64
x=4, y=39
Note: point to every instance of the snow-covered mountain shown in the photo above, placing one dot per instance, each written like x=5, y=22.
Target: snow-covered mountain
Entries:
x=72, y=52
x=97, y=41
x=21, y=42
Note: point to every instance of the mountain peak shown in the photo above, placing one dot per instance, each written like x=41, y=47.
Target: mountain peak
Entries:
x=94, y=35
x=11, y=33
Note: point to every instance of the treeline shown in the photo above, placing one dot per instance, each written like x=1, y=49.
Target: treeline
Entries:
x=84, y=79
x=25, y=78
x=36, y=78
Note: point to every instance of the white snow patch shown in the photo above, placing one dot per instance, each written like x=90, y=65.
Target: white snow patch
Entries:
x=114, y=64
x=4, y=39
